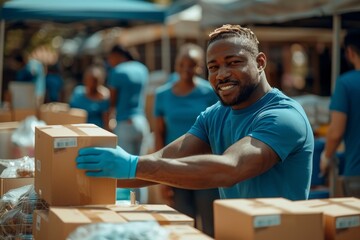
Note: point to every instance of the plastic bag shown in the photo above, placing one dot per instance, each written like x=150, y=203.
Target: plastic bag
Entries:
x=124, y=231
x=24, y=135
x=20, y=167
x=16, y=212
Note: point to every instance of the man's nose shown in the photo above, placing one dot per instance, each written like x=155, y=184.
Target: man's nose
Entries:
x=223, y=73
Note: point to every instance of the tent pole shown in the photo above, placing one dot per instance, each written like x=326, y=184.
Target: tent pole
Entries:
x=2, y=43
x=165, y=50
x=335, y=51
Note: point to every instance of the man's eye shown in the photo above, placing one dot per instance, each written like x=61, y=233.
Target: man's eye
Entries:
x=235, y=62
x=212, y=68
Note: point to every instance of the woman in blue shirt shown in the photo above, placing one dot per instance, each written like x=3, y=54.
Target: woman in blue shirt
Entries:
x=93, y=97
x=177, y=105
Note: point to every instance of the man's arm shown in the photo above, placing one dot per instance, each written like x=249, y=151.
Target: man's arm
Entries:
x=185, y=163
x=188, y=163
x=333, y=138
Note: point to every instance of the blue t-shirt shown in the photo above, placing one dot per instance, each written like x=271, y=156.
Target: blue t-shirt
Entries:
x=54, y=86
x=33, y=72
x=275, y=120
x=180, y=112
x=345, y=99
x=94, y=108
x=130, y=79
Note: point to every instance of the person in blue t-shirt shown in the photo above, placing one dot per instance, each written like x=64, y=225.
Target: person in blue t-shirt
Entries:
x=93, y=97
x=33, y=71
x=254, y=143
x=54, y=84
x=128, y=79
x=175, y=113
x=345, y=115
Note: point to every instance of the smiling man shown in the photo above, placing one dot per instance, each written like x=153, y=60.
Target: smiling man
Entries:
x=255, y=142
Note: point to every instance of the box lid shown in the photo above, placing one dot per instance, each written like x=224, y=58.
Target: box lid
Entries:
x=266, y=206
x=75, y=130
x=77, y=215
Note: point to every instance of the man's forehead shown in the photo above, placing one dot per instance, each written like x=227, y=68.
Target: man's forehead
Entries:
x=229, y=45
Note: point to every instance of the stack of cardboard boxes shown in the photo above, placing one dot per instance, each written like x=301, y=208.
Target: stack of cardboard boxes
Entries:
x=76, y=199
x=279, y=218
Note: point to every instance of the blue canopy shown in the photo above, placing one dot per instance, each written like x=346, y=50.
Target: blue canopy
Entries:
x=76, y=10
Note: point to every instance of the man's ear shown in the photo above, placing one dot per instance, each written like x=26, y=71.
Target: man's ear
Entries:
x=261, y=61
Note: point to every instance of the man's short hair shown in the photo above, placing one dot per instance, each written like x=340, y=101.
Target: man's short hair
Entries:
x=230, y=31
x=352, y=39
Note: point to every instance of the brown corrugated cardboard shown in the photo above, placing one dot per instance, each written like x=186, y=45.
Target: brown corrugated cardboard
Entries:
x=141, y=208
x=57, y=180
x=61, y=221
x=185, y=232
x=162, y=218
x=61, y=113
x=5, y=116
x=264, y=219
x=7, y=184
x=40, y=227
x=341, y=217
x=21, y=114
x=161, y=213
x=6, y=145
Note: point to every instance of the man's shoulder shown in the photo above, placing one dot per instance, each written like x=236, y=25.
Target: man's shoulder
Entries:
x=350, y=75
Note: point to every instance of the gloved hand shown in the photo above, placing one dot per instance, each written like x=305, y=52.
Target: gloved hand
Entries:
x=107, y=162
x=324, y=164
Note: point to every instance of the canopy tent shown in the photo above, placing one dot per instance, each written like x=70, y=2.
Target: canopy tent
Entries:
x=77, y=10
x=314, y=14
x=307, y=13
x=216, y=13
x=67, y=11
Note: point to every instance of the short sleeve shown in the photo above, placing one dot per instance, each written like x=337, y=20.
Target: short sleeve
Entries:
x=199, y=129
x=283, y=129
x=158, y=105
x=339, y=99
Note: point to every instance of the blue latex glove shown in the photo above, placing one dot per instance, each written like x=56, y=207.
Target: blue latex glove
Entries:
x=107, y=162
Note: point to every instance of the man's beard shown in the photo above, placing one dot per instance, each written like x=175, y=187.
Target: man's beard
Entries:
x=244, y=94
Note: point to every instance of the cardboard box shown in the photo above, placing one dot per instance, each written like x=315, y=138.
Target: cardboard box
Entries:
x=141, y=208
x=341, y=217
x=185, y=232
x=264, y=219
x=21, y=114
x=59, y=222
x=7, y=184
x=40, y=227
x=6, y=145
x=61, y=113
x=5, y=116
x=162, y=218
x=161, y=213
x=57, y=180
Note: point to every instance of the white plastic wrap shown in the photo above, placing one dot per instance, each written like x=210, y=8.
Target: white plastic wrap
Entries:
x=24, y=135
x=123, y=231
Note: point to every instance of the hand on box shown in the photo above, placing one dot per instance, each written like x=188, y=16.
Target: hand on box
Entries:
x=107, y=162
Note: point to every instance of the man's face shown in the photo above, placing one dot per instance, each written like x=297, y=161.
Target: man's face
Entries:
x=233, y=71
x=113, y=59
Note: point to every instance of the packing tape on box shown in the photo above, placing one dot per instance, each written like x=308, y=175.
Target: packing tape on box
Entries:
x=92, y=215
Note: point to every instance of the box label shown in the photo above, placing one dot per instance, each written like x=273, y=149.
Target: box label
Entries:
x=38, y=165
x=347, y=222
x=38, y=222
x=65, y=142
x=266, y=221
